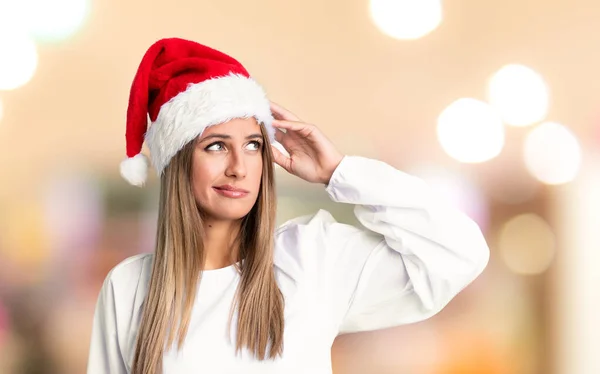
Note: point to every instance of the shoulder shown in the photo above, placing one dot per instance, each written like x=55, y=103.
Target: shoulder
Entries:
x=319, y=223
x=130, y=268
x=293, y=236
x=319, y=228
x=128, y=280
x=120, y=301
x=310, y=242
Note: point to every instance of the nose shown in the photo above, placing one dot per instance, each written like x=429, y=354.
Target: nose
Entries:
x=236, y=166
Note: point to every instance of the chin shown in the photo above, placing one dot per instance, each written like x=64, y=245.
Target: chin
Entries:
x=232, y=217
x=228, y=214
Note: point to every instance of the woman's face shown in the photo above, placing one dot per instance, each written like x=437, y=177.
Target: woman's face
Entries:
x=227, y=168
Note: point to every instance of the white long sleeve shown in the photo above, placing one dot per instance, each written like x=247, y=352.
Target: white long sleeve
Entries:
x=414, y=255
x=117, y=315
x=105, y=354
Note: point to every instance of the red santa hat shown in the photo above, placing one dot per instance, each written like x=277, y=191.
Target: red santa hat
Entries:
x=184, y=87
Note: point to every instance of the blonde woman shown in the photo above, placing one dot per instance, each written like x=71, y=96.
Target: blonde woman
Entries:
x=226, y=291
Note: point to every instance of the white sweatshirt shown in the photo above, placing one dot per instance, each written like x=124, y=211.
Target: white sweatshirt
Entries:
x=414, y=254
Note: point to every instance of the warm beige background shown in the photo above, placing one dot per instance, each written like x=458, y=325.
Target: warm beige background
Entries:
x=324, y=60
x=374, y=96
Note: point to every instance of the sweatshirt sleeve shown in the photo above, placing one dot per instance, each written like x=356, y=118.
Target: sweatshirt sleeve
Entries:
x=104, y=354
x=414, y=255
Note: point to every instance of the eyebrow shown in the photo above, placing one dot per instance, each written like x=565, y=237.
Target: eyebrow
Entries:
x=223, y=136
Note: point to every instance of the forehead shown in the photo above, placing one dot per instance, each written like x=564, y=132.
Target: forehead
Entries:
x=237, y=127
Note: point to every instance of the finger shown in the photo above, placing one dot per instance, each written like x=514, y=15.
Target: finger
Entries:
x=282, y=148
x=285, y=140
x=289, y=125
x=280, y=159
x=279, y=134
x=280, y=112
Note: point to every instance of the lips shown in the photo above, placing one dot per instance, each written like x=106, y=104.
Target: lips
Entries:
x=228, y=187
x=230, y=191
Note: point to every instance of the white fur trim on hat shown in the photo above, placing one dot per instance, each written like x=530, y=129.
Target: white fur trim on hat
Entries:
x=214, y=101
x=135, y=169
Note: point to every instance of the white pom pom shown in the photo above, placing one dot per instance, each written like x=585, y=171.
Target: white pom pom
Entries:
x=135, y=169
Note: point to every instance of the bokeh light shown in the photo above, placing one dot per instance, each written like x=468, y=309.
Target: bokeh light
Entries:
x=11, y=16
x=55, y=20
x=470, y=131
x=26, y=240
x=519, y=94
x=552, y=153
x=457, y=189
x=19, y=60
x=527, y=244
x=72, y=212
x=406, y=19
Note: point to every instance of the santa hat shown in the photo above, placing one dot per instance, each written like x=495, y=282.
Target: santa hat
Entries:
x=184, y=87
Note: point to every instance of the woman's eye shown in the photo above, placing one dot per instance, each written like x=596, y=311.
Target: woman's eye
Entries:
x=219, y=146
x=255, y=145
x=215, y=146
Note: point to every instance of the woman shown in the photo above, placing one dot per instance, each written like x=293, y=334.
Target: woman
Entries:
x=227, y=292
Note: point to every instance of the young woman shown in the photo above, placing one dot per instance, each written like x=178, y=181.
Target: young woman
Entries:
x=225, y=291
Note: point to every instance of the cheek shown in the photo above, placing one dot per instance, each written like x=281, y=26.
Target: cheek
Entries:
x=203, y=175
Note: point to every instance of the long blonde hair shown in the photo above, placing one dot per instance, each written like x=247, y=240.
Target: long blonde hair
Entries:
x=177, y=267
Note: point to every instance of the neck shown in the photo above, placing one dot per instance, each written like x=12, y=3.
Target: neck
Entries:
x=219, y=243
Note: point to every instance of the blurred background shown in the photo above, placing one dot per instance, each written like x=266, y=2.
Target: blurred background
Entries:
x=493, y=102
